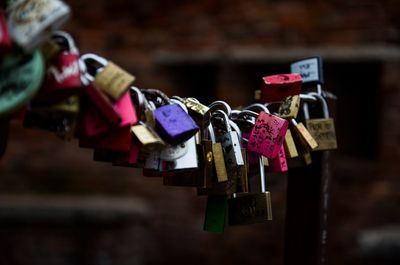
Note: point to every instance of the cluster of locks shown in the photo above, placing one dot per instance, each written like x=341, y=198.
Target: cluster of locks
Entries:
x=214, y=148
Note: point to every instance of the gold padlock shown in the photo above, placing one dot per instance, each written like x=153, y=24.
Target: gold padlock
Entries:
x=149, y=139
x=199, y=112
x=304, y=135
x=250, y=208
x=289, y=107
x=322, y=129
x=110, y=78
x=289, y=145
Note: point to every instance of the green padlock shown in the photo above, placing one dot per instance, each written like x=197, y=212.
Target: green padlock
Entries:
x=21, y=76
x=215, y=213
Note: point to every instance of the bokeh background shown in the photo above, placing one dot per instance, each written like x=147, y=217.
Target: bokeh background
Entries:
x=57, y=206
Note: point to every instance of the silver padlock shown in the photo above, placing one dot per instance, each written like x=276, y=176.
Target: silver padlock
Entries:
x=230, y=143
x=31, y=22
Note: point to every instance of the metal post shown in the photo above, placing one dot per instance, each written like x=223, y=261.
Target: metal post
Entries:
x=307, y=212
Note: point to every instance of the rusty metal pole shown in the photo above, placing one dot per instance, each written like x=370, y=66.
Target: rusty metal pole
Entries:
x=307, y=212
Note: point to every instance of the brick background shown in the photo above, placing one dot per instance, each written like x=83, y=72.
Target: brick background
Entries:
x=188, y=48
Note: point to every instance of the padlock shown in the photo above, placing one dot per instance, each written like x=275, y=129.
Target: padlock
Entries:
x=278, y=87
x=230, y=143
x=224, y=181
x=304, y=135
x=279, y=163
x=289, y=107
x=102, y=104
x=108, y=77
x=267, y=134
x=95, y=124
x=149, y=139
x=5, y=40
x=289, y=145
x=117, y=140
x=189, y=160
x=63, y=73
x=31, y=22
x=310, y=70
x=214, y=220
x=21, y=76
x=323, y=129
x=174, y=124
x=132, y=158
x=250, y=208
x=303, y=149
x=199, y=112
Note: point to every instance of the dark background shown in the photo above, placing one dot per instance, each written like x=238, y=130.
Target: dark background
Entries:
x=57, y=206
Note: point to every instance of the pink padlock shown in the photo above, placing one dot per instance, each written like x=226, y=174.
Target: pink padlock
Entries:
x=252, y=157
x=279, y=163
x=95, y=124
x=267, y=134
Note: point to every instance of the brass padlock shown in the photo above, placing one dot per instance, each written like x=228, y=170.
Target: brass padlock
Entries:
x=110, y=78
x=199, y=112
x=149, y=139
x=304, y=135
x=289, y=145
x=322, y=129
x=250, y=208
x=289, y=107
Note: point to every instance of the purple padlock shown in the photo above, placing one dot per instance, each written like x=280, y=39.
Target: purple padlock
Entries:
x=173, y=124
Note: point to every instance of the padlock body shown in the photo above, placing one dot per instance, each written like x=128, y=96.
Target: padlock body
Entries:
x=113, y=80
x=31, y=22
x=150, y=141
x=200, y=113
x=305, y=136
x=5, y=40
x=323, y=131
x=186, y=162
x=278, y=87
x=232, y=151
x=250, y=208
x=279, y=163
x=65, y=73
x=289, y=145
x=289, y=107
x=214, y=220
x=267, y=135
x=174, y=124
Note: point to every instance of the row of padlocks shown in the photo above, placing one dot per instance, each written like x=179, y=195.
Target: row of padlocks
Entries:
x=217, y=149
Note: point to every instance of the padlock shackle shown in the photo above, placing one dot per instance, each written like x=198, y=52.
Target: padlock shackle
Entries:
x=65, y=35
x=307, y=97
x=220, y=105
x=224, y=117
x=211, y=133
x=140, y=98
x=262, y=173
x=157, y=93
x=236, y=128
x=258, y=107
x=321, y=100
x=324, y=104
x=95, y=58
x=180, y=103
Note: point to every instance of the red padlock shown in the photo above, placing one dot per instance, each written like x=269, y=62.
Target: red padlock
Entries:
x=278, y=87
x=63, y=73
x=116, y=140
x=5, y=40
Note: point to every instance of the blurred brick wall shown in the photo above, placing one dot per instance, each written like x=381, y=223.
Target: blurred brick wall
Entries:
x=135, y=34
